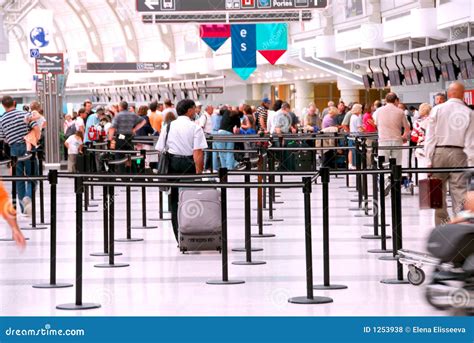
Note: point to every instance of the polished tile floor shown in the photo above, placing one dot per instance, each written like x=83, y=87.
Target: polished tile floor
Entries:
x=161, y=281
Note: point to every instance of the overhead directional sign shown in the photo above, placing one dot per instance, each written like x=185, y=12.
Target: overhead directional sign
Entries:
x=170, y=6
x=50, y=64
x=127, y=67
x=211, y=90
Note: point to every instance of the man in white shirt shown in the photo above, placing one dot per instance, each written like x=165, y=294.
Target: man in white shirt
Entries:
x=449, y=143
x=185, y=142
x=205, y=122
x=80, y=120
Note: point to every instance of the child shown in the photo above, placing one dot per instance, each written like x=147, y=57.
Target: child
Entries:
x=74, y=146
x=7, y=211
x=34, y=132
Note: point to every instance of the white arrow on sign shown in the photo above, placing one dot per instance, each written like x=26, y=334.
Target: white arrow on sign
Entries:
x=151, y=3
x=54, y=59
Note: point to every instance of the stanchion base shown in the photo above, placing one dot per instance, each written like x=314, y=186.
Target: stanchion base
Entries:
x=363, y=215
x=88, y=211
x=264, y=224
x=103, y=254
x=108, y=265
x=92, y=205
x=74, y=307
x=33, y=228
x=394, y=282
x=355, y=209
x=11, y=239
x=323, y=287
x=126, y=240
x=222, y=282
x=263, y=235
x=159, y=220
x=41, y=223
x=380, y=251
x=374, y=237
x=306, y=301
x=132, y=190
x=274, y=220
x=245, y=250
x=144, y=227
x=388, y=258
x=372, y=225
x=251, y=263
x=278, y=202
x=348, y=187
x=49, y=286
x=265, y=209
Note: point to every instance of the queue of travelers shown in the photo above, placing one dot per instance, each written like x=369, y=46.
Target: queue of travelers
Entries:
x=443, y=134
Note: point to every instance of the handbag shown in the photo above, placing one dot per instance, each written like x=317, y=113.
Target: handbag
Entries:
x=431, y=193
x=164, y=160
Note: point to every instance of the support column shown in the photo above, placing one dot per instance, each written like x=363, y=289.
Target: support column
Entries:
x=349, y=90
x=257, y=92
x=304, y=96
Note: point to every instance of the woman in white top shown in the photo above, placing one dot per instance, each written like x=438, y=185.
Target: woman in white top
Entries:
x=355, y=127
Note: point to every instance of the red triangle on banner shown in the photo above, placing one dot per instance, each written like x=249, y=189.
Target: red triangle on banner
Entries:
x=272, y=56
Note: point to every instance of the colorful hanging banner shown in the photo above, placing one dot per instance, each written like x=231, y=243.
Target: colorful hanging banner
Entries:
x=214, y=35
x=272, y=41
x=244, y=49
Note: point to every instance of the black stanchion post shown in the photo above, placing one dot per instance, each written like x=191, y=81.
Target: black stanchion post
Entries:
x=225, y=266
x=129, y=238
x=110, y=192
x=87, y=170
x=248, y=215
x=33, y=227
x=271, y=190
x=381, y=210
x=325, y=179
x=78, y=305
x=41, y=185
x=144, y=220
x=397, y=222
x=309, y=298
x=260, y=223
x=53, y=181
x=393, y=257
x=106, y=216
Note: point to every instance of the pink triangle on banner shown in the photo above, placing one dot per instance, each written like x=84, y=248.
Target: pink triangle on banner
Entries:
x=272, y=56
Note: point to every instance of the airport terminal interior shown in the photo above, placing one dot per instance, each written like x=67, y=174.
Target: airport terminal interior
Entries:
x=319, y=153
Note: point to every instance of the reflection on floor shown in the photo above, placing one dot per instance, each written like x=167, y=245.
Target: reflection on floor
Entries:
x=161, y=281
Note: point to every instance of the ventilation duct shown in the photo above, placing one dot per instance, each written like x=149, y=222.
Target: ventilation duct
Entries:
x=3, y=40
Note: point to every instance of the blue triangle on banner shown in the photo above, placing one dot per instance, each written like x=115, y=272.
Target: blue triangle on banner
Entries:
x=214, y=43
x=244, y=73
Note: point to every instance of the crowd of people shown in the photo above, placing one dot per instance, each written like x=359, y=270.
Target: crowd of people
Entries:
x=443, y=133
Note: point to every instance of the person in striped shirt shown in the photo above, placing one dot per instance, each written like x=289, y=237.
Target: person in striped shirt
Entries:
x=13, y=128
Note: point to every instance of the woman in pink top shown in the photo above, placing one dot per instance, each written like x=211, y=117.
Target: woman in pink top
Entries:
x=368, y=121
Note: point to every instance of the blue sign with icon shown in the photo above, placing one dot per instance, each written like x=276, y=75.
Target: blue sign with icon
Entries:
x=34, y=53
x=39, y=37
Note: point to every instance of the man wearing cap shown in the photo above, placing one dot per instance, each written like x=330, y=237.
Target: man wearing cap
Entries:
x=262, y=114
x=92, y=121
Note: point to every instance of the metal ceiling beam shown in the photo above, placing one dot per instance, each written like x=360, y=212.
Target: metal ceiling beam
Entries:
x=410, y=51
x=132, y=42
x=91, y=31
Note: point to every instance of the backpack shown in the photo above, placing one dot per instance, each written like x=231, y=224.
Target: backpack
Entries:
x=71, y=130
x=93, y=133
